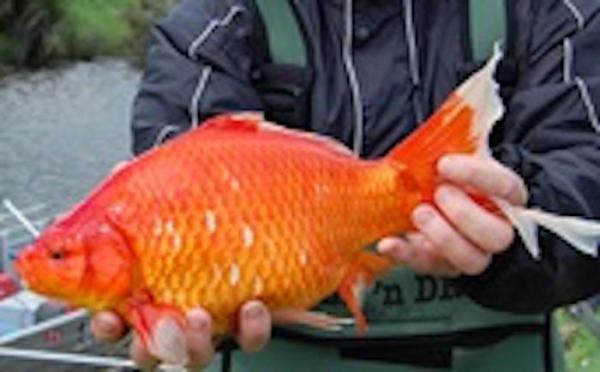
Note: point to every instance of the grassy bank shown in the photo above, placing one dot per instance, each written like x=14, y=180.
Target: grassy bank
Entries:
x=37, y=32
x=583, y=349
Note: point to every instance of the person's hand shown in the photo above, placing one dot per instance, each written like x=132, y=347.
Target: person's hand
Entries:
x=254, y=333
x=457, y=236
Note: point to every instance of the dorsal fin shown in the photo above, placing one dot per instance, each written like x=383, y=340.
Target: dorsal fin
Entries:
x=254, y=122
x=242, y=121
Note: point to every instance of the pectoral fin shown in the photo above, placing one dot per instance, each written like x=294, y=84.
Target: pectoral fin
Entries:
x=161, y=328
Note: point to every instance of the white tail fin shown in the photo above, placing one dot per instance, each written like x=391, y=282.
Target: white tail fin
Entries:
x=582, y=234
x=481, y=91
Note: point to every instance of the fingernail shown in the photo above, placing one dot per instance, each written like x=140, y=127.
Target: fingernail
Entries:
x=198, y=321
x=422, y=216
x=385, y=246
x=393, y=251
x=447, y=166
x=254, y=312
x=384, y=249
x=106, y=323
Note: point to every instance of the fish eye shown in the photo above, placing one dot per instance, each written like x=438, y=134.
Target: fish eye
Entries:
x=57, y=254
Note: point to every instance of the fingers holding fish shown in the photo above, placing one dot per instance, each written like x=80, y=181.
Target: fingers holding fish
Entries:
x=107, y=327
x=486, y=230
x=255, y=326
x=465, y=256
x=416, y=252
x=254, y=333
x=199, y=338
x=484, y=174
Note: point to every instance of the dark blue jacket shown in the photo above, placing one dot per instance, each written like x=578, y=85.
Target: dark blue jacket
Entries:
x=376, y=69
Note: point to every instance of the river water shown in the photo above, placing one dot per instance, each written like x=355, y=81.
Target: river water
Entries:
x=62, y=130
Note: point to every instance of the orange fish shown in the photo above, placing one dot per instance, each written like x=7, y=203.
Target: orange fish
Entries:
x=240, y=209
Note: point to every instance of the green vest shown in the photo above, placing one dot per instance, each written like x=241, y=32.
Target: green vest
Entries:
x=403, y=307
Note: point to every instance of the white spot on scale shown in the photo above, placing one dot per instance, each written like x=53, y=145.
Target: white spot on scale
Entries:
x=259, y=286
x=248, y=235
x=235, y=184
x=321, y=189
x=104, y=229
x=118, y=208
x=177, y=241
x=234, y=275
x=170, y=227
x=211, y=221
x=303, y=258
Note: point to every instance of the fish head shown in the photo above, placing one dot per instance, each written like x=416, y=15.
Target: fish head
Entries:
x=87, y=266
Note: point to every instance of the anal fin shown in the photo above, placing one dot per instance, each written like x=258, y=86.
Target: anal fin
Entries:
x=313, y=319
x=359, y=277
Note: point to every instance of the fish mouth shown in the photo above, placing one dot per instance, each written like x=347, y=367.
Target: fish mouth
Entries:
x=25, y=268
x=22, y=272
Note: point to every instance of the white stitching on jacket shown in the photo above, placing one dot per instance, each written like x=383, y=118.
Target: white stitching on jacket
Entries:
x=352, y=79
x=412, y=45
x=198, y=92
x=567, y=60
x=412, y=54
x=212, y=26
x=576, y=13
x=587, y=101
x=164, y=132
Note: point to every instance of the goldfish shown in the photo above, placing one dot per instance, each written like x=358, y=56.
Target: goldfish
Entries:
x=239, y=209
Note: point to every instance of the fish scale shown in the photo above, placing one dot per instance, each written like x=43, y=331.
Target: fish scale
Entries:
x=292, y=228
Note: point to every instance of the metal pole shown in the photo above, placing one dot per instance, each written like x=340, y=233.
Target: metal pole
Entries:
x=42, y=327
x=79, y=359
x=39, y=355
x=21, y=217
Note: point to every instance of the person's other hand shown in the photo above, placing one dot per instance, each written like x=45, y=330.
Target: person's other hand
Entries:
x=457, y=236
x=254, y=333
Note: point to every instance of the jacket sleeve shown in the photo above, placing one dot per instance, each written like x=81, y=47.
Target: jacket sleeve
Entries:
x=199, y=64
x=552, y=138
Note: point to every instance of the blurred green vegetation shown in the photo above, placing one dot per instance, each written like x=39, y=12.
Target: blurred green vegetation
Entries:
x=582, y=348
x=34, y=33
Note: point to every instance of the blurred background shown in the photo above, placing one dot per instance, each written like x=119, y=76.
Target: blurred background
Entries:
x=68, y=73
